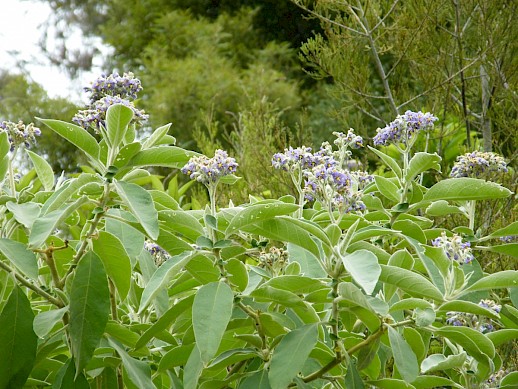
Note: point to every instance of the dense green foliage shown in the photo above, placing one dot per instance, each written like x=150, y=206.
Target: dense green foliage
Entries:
x=346, y=282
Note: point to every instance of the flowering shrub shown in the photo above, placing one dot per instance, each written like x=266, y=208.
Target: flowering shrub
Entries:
x=349, y=283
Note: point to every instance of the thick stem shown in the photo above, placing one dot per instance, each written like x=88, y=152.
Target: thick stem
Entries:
x=51, y=299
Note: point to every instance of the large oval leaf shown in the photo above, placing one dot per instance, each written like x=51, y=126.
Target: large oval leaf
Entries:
x=404, y=357
x=76, y=135
x=141, y=205
x=43, y=170
x=89, y=308
x=211, y=312
x=118, y=117
x=166, y=156
x=465, y=188
x=161, y=277
x=116, y=261
x=413, y=283
x=17, y=339
x=291, y=353
x=364, y=268
x=17, y=253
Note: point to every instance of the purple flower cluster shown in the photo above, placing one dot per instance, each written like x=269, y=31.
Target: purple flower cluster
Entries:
x=404, y=127
x=482, y=324
x=158, y=253
x=455, y=249
x=292, y=159
x=125, y=86
x=348, y=140
x=478, y=164
x=20, y=133
x=210, y=170
x=105, y=92
x=96, y=115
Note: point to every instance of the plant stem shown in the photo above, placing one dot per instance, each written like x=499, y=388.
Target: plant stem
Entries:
x=51, y=299
x=93, y=226
x=11, y=173
x=113, y=300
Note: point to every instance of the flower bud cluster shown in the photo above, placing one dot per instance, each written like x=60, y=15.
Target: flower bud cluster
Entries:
x=20, y=133
x=348, y=140
x=275, y=260
x=293, y=159
x=455, y=249
x=157, y=252
x=210, y=170
x=478, y=165
x=105, y=92
x=125, y=86
x=404, y=127
x=494, y=379
x=480, y=323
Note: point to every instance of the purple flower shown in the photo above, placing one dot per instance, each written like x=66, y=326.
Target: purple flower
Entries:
x=125, y=86
x=478, y=164
x=454, y=248
x=20, y=133
x=210, y=170
x=404, y=127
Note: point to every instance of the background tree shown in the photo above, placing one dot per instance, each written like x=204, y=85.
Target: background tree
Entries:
x=22, y=99
x=453, y=58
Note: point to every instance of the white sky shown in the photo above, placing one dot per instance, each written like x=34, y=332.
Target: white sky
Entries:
x=20, y=31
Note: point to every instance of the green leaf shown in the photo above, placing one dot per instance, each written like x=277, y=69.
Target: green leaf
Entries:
x=387, y=188
x=141, y=205
x=258, y=380
x=43, y=170
x=76, y=135
x=211, y=312
x=124, y=156
x=237, y=273
x=464, y=189
x=404, y=357
x=474, y=342
x=69, y=188
x=46, y=320
x=5, y=145
x=118, y=116
x=177, y=356
x=259, y=212
x=45, y=225
x=432, y=381
x=182, y=222
x=469, y=307
x=165, y=156
x=122, y=333
x=441, y=208
x=156, y=136
x=291, y=353
x=437, y=362
x=499, y=280
x=131, y=238
x=22, y=258
x=422, y=162
x=510, y=230
x=283, y=230
x=116, y=261
x=412, y=283
x=310, y=265
x=66, y=378
x=364, y=268
x=415, y=340
x=296, y=284
x=510, y=381
x=502, y=336
x=352, y=379
x=139, y=372
x=391, y=383
x=267, y=293
x=161, y=277
x=165, y=320
x=89, y=308
x=508, y=249
x=202, y=269
x=24, y=213
x=389, y=161
x=193, y=369
x=410, y=303
x=424, y=317
x=17, y=339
